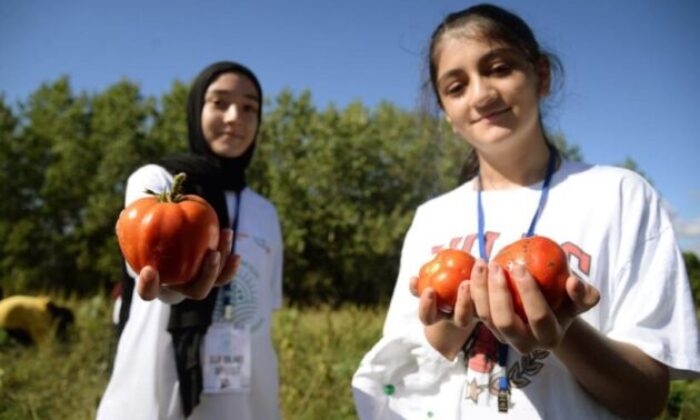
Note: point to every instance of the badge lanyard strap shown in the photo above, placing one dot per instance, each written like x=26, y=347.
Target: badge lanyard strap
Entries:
x=228, y=306
x=503, y=348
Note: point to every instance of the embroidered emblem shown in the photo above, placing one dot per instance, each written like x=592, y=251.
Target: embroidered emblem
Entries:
x=244, y=290
x=528, y=366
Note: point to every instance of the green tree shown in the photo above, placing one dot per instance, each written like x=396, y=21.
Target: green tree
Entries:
x=119, y=125
x=346, y=183
x=44, y=214
x=692, y=265
x=169, y=131
x=11, y=191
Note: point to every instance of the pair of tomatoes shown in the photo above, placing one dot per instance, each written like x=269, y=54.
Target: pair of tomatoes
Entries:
x=543, y=258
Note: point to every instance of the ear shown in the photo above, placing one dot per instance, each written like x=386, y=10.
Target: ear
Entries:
x=544, y=76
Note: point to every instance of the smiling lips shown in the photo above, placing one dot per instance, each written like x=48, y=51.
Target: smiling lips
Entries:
x=231, y=135
x=491, y=116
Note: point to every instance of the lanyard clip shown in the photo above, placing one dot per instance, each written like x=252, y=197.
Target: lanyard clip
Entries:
x=503, y=394
x=503, y=397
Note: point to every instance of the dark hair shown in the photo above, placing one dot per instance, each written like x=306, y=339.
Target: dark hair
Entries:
x=497, y=25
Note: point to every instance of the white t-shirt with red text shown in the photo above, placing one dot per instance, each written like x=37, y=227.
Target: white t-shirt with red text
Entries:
x=617, y=237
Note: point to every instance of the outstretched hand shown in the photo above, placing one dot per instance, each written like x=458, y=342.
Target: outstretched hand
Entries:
x=462, y=316
x=545, y=328
x=217, y=269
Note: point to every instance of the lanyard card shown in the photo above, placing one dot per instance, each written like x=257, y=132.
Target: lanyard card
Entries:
x=226, y=358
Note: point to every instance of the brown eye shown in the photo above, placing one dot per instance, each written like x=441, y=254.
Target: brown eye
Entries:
x=454, y=89
x=217, y=103
x=250, y=108
x=501, y=70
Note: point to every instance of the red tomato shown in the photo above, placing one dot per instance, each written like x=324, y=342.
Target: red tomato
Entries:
x=546, y=262
x=170, y=232
x=444, y=274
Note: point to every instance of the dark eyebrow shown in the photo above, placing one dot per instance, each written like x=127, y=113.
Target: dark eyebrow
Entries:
x=494, y=53
x=223, y=92
x=498, y=52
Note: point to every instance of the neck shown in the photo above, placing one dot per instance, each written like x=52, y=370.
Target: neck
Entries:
x=514, y=169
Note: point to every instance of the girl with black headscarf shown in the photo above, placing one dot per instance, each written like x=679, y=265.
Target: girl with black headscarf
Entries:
x=204, y=350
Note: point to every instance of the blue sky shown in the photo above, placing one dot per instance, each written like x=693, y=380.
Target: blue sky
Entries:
x=632, y=67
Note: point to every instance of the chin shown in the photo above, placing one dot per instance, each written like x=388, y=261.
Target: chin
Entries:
x=227, y=152
x=494, y=137
x=227, y=149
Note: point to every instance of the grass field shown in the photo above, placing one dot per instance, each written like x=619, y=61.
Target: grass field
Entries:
x=318, y=350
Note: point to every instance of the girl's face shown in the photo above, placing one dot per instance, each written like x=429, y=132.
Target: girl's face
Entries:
x=489, y=92
x=230, y=114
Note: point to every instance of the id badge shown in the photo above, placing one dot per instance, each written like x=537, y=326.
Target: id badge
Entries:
x=226, y=359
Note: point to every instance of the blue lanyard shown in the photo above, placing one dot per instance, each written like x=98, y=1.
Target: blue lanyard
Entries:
x=503, y=348
x=234, y=226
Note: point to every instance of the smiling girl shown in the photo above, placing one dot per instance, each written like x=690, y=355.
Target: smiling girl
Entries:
x=628, y=324
x=203, y=350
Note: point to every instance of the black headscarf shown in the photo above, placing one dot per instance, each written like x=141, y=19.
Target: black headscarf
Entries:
x=209, y=176
x=201, y=164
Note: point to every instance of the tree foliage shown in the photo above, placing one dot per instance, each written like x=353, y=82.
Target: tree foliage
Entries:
x=346, y=183
x=692, y=265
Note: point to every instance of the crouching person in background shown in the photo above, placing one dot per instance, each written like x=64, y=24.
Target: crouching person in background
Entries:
x=32, y=319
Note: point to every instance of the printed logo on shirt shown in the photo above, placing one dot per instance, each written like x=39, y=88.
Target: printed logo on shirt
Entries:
x=244, y=296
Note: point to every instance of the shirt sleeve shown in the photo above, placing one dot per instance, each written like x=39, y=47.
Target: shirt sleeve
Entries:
x=653, y=307
x=150, y=177
x=403, y=359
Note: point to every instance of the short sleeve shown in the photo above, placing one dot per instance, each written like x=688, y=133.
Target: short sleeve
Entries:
x=653, y=308
x=149, y=177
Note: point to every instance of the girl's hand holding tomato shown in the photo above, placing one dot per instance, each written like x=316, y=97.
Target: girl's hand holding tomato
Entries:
x=443, y=288
x=174, y=240
x=524, y=307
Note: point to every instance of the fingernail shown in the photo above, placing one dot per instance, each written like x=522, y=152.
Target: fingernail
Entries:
x=148, y=275
x=518, y=270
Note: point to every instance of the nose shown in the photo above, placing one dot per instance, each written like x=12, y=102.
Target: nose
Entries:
x=231, y=113
x=482, y=93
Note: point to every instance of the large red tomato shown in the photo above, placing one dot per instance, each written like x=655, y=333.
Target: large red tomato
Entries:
x=546, y=262
x=444, y=273
x=170, y=232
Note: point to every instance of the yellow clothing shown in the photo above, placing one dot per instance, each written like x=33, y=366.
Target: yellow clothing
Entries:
x=27, y=313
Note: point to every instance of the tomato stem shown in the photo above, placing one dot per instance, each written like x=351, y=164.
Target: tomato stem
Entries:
x=173, y=195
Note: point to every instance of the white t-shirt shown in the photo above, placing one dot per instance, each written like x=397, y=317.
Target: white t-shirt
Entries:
x=617, y=237
x=144, y=382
